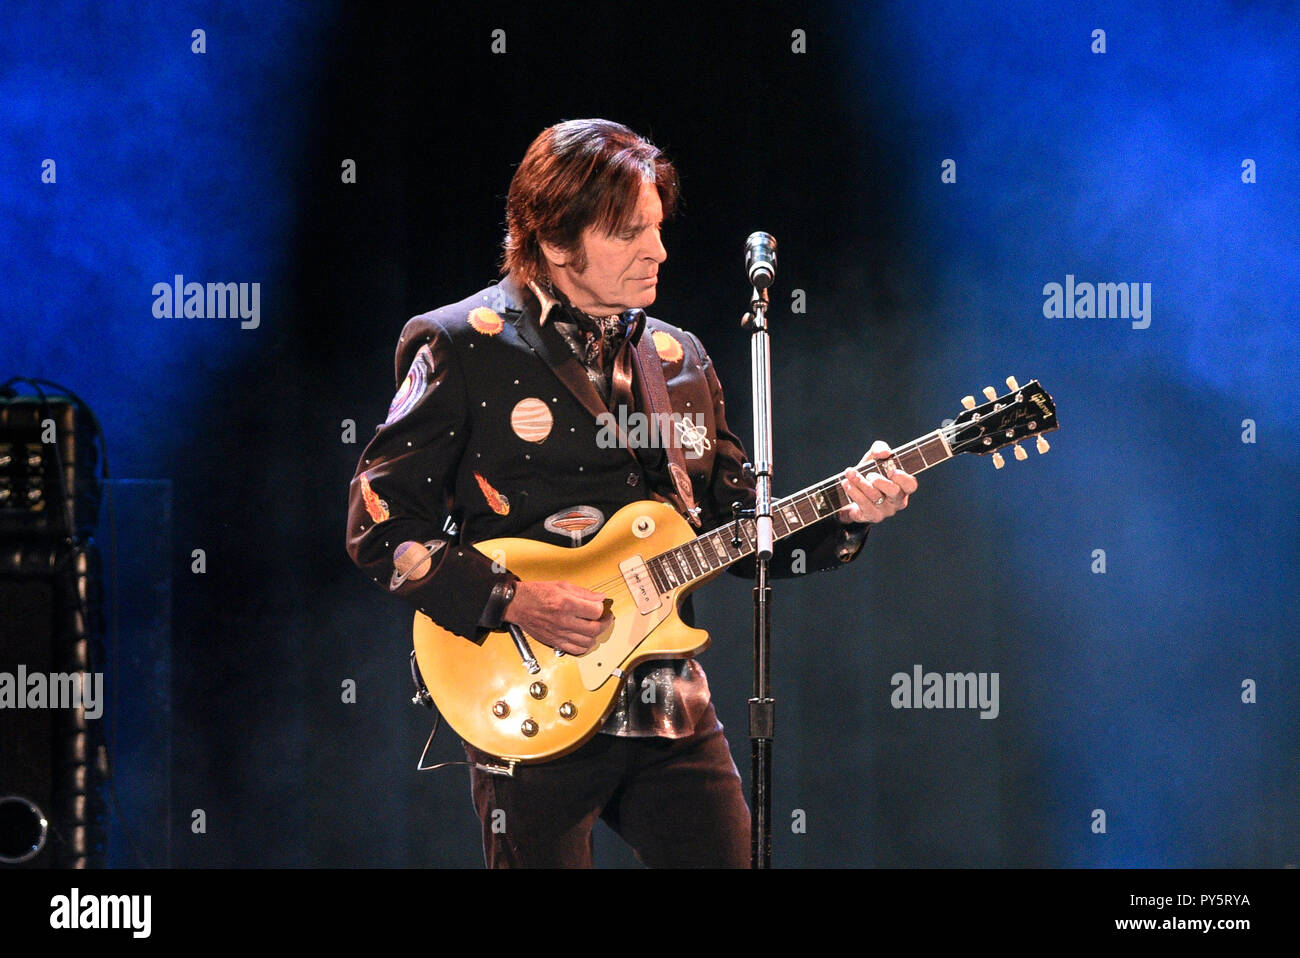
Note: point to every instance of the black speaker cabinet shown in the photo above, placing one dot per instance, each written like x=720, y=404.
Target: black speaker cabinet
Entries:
x=51, y=809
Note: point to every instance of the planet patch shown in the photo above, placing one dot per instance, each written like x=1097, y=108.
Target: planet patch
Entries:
x=412, y=561
x=531, y=420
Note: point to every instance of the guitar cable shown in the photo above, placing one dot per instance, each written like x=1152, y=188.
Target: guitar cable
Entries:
x=422, y=697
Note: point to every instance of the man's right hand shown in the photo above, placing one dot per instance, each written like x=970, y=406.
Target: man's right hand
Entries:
x=559, y=614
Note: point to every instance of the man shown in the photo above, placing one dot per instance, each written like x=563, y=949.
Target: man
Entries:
x=499, y=428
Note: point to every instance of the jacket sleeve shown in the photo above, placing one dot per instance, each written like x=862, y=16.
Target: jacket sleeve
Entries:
x=398, y=499
x=827, y=544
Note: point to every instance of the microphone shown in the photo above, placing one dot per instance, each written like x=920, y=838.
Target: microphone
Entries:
x=760, y=259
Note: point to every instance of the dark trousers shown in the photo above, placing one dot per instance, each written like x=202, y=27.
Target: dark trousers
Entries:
x=677, y=802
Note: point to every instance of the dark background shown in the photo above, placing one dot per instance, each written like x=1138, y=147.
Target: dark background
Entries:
x=1119, y=691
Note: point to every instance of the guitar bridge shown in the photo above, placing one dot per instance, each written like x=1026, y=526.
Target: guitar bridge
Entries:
x=639, y=583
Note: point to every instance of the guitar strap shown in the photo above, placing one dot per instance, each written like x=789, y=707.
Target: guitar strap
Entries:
x=650, y=373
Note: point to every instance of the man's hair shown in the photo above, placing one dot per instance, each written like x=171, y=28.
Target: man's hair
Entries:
x=576, y=174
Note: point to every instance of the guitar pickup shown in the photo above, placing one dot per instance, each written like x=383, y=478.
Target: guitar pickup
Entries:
x=640, y=585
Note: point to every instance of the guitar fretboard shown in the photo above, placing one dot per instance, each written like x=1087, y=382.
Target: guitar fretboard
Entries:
x=737, y=539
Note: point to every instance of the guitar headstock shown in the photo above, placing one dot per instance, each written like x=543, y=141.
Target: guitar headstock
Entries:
x=1003, y=420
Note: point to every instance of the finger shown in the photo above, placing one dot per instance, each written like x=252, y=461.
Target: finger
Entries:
x=861, y=507
x=581, y=602
x=862, y=488
x=576, y=645
x=592, y=629
x=905, y=482
x=880, y=450
x=588, y=610
x=887, y=489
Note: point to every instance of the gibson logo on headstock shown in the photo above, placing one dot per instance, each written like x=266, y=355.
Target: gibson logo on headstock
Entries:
x=1042, y=404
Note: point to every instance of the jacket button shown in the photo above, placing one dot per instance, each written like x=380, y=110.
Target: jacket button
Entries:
x=633, y=478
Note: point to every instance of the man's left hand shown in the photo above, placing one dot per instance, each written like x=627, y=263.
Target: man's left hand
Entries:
x=880, y=493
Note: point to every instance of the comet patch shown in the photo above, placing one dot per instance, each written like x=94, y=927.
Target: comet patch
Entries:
x=376, y=508
x=496, y=502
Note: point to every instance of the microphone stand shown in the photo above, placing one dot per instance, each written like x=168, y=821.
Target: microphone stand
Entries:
x=762, y=707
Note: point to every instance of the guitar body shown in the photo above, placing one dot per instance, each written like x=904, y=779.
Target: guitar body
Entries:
x=486, y=693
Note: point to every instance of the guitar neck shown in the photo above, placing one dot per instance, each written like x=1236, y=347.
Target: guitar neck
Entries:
x=733, y=541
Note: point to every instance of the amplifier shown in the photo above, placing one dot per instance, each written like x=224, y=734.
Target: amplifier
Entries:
x=48, y=479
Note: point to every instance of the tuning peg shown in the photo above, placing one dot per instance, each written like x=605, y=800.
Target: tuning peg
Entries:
x=968, y=402
x=990, y=393
x=1012, y=384
x=1021, y=455
x=1042, y=445
x=998, y=461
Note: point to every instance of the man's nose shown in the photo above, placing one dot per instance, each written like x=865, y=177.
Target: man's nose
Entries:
x=655, y=247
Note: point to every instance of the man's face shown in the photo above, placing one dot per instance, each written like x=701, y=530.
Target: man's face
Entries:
x=623, y=269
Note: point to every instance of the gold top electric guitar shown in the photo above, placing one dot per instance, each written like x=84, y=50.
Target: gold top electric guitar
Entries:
x=524, y=702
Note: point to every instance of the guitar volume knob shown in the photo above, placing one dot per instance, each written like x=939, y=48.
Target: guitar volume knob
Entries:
x=529, y=728
x=500, y=709
x=568, y=710
x=537, y=690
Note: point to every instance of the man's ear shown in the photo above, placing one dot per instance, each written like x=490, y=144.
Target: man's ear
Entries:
x=554, y=255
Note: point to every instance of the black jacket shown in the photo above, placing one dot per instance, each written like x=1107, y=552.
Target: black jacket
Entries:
x=494, y=430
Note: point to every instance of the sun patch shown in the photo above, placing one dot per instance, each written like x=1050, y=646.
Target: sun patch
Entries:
x=413, y=386
x=531, y=420
x=485, y=321
x=376, y=508
x=668, y=348
x=496, y=502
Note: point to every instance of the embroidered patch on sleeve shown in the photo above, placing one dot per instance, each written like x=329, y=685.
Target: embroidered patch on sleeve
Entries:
x=485, y=321
x=531, y=420
x=376, y=508
x=413, y=386
x=496, y=502
x=412, y=561
x=667, y=346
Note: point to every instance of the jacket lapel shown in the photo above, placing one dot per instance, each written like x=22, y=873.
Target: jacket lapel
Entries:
x=550, y=345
